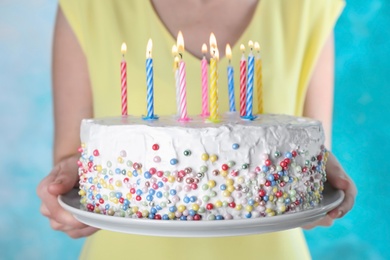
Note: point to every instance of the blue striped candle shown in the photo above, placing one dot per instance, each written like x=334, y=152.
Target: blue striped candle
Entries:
x=230, y=72
x=232, y=105
x=149, y=83
x=149, y=90
x=250, y=83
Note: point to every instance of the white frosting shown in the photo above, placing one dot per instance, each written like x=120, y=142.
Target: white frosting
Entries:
x=124, y=142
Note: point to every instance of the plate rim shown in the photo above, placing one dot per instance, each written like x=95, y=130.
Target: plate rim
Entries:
x=174, y=228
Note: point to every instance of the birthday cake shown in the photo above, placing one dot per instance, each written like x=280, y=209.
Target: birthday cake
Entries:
x=169, y=170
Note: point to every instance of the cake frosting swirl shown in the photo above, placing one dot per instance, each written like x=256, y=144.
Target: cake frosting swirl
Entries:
x=197, y=170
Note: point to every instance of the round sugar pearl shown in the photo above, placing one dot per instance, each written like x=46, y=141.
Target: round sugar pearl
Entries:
x=213, y=158
x=157, y=159
x=211, y=183
x=205, y=157
x=249, y=208
x=195, y=207
x=206, y=198
x=181, y=208
x=235, y=146
x=226, y=193
x=228, y=216
x=211, y=217
x=231, y=164
x=175, y=199
x=174, y=161
x=229, y=181
x=203, y=168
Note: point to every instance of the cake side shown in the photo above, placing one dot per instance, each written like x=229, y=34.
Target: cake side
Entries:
x=235, y=169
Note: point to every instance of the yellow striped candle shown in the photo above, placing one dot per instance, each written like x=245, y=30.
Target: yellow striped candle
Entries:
x=259, y=80
x=213, y=79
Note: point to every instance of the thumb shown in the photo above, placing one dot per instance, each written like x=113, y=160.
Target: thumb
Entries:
x=65, y=177
x=336, y=175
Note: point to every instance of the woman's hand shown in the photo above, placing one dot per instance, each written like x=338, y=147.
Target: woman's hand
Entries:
x=62, y=179
x=339, y=180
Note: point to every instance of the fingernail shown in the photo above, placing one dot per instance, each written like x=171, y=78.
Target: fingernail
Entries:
x=57, y=181
x=343, y=177
x=339, y=213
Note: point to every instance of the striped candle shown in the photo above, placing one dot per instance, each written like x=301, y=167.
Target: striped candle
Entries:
x=213, y=79
x=182, y=80
x=149, y=83
x=183, y=92
x=213, y=90
x=176, y=73
x=259, y=80
x=124, y=81
x=250, y=83
x=177, y=84
x=242, y=81
x=230, y=72
x=205, y=96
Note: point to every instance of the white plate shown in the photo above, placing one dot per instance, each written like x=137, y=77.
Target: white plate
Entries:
x=238, y=227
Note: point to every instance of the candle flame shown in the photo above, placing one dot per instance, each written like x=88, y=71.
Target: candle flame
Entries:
x=242, y=48
x=149, y=49
x=257, y=46
x=216, y=54
x=228, y=52
x=250, y=44
x=180, y=42
x=213, y=41
x=174, y=50
x=176, y=63
x=123, y=48
x=204, y=48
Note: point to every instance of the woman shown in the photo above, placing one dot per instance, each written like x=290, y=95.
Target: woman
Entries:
x=297, y=43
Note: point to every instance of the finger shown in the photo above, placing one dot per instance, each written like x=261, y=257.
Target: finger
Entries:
x=336, y=174
x=324, y=221
x=44, y=211
x=340, y=180
x=66, y=227
x=344, y=207
x=66, y=176
x=87, y=231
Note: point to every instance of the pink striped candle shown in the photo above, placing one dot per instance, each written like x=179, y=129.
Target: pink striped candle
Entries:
x=183, y=117
x=205, y=96
x=124, y=80
x=242, y=82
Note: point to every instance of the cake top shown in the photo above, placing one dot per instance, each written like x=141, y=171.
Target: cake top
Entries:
x=264, y=120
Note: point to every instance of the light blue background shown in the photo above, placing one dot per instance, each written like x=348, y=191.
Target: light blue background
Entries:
x=361, y=132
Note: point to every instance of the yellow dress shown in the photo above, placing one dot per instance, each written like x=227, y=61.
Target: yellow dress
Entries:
x=291, y=34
